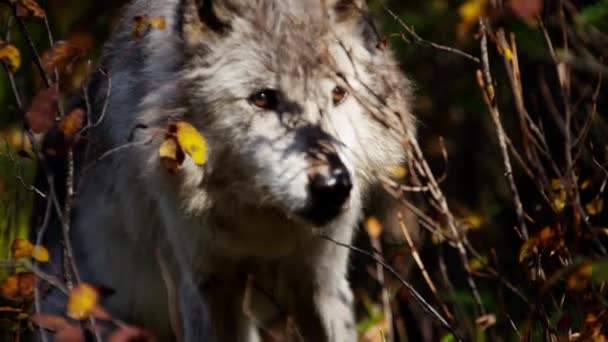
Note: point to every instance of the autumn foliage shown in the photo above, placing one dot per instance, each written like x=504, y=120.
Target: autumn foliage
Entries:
x=507, y=184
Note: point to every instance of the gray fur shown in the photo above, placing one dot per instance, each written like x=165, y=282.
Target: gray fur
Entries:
x=236, y=216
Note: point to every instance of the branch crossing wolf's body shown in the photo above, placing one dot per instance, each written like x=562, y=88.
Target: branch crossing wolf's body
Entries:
x=294, y=99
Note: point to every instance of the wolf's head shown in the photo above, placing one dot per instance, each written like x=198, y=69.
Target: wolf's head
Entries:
x=302, y=111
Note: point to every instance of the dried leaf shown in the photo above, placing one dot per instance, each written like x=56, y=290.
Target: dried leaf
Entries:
x=21, y=248
x=158, y=23
x=527, y=10
x=580, y=278
x=471, y=10
x=41, y=115
x=595, y=206
x=171, y=155
x=10, y=55
x=373, y=227
x=398, y=171
x=27, y=281
x=527, y=249
x=40, y=254
x=560, y=201
x=82, y=301
x=10, y=287
x=30, y=7
x=192, y=142
x=143, y=23
x=474, y=221
x=72, y=123
x=61, y=56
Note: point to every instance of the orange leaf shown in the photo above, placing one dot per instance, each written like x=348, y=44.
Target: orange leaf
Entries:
x=82, y=301
x=21, y=248
x=27, y=7
x=158, y=23
x=72, y=123
x=10, y=287
x=27, y=281
x=60, y=56
x=373, y=227
x=41, y=114
x=143, y=23
x=10, y=55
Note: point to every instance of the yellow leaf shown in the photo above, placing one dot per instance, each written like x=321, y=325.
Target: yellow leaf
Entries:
x=10, y=55
x=171, y=155
x=585, y=184
x=21, y=248
x=477, y=264
x=556, y=184
x=158, y=23
x=595, y=207
x=40, y=254
x=82, y=301
x=373, y=227
x=526, y=250
x=192, y=142
x=474, y=221
x=560, y=201
x=471, y=10
x=508, y=53
x=491, y=92
x=398, y=171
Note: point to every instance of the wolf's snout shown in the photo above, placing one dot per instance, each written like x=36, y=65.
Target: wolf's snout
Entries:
x=329, y=189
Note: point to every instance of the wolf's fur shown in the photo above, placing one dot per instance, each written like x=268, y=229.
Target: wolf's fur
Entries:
x=212, y=227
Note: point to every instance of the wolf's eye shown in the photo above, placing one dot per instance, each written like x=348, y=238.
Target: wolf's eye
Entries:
x=265, y=99
x=338, y=94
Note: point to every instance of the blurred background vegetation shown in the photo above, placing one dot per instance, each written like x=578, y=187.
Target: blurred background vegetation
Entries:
x=451, y=113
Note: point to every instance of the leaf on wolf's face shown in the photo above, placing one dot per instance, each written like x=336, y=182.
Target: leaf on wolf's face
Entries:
x=41, y=115
x=82, y=301
x=21, y=248
x=25, y=8
x=10, y=55
x=171, y=155
x=192, y=142
x=71, y=123
x=143, y=23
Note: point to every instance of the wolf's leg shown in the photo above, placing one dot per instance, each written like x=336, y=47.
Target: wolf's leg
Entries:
x=194, y=313
x=335, y=307
x=225, y=302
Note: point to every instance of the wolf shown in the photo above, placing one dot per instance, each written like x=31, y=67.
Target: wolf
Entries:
x=303, y=110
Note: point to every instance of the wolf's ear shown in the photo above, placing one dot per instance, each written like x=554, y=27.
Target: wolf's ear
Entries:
x=354, y=15
x=204, y=20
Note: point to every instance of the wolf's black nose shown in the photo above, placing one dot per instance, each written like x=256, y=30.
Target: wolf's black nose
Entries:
x=328, y=192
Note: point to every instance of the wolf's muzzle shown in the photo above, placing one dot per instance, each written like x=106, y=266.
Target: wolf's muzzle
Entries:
x=329, y=190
